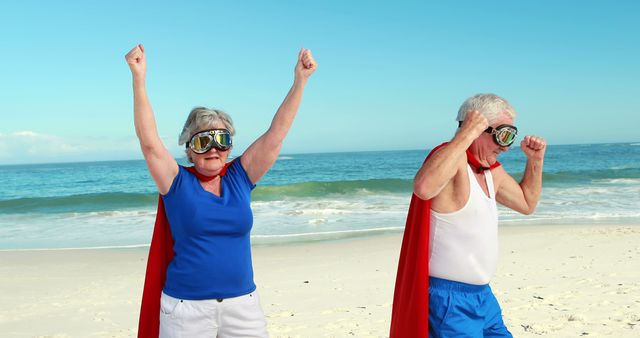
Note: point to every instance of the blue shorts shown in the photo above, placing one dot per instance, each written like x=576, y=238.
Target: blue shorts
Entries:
x=463, y=310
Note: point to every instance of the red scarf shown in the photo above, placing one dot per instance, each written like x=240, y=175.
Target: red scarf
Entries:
x=410, y=312
x=476, y=165
x=160, y=255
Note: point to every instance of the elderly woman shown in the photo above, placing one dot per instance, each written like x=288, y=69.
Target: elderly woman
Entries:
x=209, y=289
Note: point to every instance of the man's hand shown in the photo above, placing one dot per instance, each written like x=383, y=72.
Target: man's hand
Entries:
x=474, y=125
x=533, y=147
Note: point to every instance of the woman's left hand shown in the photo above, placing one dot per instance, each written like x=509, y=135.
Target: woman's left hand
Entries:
x=306, y=65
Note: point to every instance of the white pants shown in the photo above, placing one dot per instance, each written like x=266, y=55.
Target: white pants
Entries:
x=232, y=317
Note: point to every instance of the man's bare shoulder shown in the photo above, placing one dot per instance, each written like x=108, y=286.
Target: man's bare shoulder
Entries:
x=455, y=193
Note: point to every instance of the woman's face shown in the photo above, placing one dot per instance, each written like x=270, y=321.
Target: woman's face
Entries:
x=211, y=162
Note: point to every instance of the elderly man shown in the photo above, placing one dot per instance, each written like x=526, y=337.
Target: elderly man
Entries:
x=450, y=246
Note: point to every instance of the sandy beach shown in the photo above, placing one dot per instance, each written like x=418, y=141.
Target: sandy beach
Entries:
x=556, y=281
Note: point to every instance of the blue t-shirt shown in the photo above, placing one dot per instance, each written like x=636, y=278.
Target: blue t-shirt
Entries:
x=211, y=236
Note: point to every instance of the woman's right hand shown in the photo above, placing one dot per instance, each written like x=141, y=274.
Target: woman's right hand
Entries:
x=306, y=65
x=137, y=61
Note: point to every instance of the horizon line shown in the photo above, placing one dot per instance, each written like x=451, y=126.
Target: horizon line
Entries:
x=289, y=154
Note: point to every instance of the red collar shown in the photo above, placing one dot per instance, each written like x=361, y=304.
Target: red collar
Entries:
x=205, y=178
x=476, y=165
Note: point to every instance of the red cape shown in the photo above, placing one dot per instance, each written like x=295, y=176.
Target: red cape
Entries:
x=160, y=255
x=410, y=312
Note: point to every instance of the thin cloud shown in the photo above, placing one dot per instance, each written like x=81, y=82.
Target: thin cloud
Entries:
x=21, y=145
x=26, y=146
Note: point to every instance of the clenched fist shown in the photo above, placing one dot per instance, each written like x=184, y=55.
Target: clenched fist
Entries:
x=533, y=147
x=137, y=61
x=474, y=124
x=306, y=65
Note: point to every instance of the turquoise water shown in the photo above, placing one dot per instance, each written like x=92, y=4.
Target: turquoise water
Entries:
x=304, y=196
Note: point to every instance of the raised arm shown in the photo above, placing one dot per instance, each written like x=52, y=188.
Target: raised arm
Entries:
x=442, y=166
x=261, y=155
x=162, y=166
x=523, y=197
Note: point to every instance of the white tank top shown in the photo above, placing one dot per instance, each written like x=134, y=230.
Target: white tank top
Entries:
x=463, y=244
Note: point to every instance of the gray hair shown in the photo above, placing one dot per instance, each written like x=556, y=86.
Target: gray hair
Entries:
x=202, y=118
x=491, y=106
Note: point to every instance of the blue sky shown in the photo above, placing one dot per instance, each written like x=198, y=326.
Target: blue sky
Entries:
x=391, y=74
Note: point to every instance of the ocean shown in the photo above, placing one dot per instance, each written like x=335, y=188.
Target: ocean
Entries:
x=304, y=197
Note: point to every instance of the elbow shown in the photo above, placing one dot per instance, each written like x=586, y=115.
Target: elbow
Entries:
x=147, y=150
x=526, y=212
x=143, y=137
x=422, y=191
x=275, y=137
x=149, y=142
x=529, y=210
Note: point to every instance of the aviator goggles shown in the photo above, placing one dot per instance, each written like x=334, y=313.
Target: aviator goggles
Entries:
x=203, y=141
x=503, y=135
